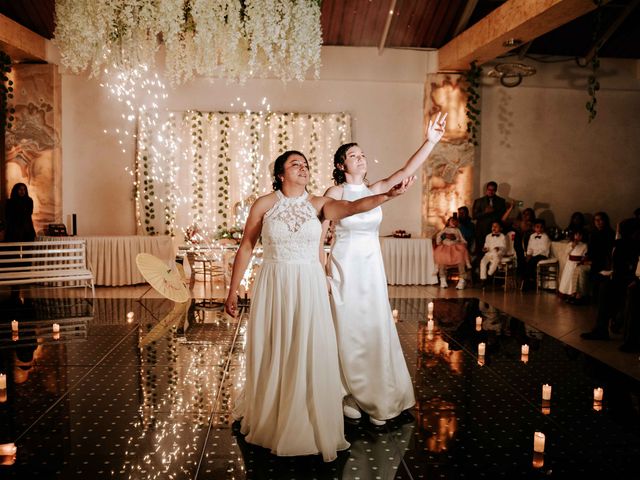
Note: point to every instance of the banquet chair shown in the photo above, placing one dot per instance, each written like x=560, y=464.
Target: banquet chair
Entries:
x=547, y=273
x=506, y=270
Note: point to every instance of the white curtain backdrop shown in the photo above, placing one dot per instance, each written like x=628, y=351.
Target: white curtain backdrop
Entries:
x=204, y=169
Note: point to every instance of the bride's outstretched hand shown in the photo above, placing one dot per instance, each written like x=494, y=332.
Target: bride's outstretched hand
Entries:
x=402, y=187
x=436, y=128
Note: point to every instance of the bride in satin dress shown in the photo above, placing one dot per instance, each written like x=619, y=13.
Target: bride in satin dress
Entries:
x=291, y=402
x=375, y=374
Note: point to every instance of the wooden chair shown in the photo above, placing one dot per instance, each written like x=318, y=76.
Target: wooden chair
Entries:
x=506, y=270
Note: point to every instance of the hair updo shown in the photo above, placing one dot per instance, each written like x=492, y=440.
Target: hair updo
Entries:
x=339, y=176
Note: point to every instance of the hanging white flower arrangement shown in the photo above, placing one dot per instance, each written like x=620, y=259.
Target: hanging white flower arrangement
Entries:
x=233, y=39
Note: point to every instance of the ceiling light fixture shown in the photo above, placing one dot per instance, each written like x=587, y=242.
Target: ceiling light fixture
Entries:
x=512, y=42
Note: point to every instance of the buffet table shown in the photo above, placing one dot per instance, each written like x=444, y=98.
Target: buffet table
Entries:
x=408, y=261
x=113, y=258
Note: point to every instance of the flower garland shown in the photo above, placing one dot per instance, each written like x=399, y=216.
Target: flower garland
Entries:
x=234, y=39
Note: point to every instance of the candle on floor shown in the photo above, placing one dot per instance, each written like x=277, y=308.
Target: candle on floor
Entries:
x=3, y=381
x=546, y=392
x=525, y=349
x=56, y=335
x=14, y=325
x=538, y=442
x=430, y=325
x=478, y=321
x=597, y=394
x=130, y=315
x=524, y=358
x=481, y=348
x=56, y=327
x=394, y=312
x=430, y=307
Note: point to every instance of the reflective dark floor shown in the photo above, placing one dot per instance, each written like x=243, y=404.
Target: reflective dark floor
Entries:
x=147, y=396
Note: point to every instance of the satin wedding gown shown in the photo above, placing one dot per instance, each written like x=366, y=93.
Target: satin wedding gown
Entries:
x=292, y=399
x=373, y=366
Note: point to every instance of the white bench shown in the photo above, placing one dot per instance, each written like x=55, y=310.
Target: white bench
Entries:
x=60, y=262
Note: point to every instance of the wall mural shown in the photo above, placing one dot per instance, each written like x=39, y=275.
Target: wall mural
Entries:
x=32, y=145
x=447, y=178
x=199, y=172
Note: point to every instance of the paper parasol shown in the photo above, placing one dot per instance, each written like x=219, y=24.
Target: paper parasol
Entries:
x=176, y=315
x=163, y=278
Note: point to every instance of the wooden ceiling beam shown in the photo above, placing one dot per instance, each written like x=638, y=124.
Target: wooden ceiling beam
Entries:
x=20, y=43
x=523, y=20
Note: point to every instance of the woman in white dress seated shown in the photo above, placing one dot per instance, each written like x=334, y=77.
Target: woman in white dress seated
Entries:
x=375, y=374
x=292, y=399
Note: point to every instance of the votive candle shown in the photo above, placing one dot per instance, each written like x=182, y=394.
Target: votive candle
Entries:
x=525, y=349
x=524, y=358
x=430, y=307
x=430, y=325
x=538, y=442
x=597, y=394
x=14, y=325
x=3, y=381
x=546, y=392
x=394, y=312
x=130, y=315
x=56, y=335
x=56, y=327
x=481, y=348
x=478, y=321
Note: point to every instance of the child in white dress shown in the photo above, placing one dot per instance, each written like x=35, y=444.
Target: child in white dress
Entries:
x=495, y=246
x=577, y=251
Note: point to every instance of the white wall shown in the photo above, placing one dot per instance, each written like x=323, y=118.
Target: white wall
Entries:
x=383, y=93
x=538, y=145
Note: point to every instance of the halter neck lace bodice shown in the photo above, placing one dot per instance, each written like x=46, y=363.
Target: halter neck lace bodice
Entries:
x=291, y=230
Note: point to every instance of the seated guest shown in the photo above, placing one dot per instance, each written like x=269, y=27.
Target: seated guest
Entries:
x=614, y=284
x=495, y=246
x=451, y=249
x=538, y=249
x=577, y=222
x=466, y=226
x=523, y=228
x=598, y=258
x=577, y=251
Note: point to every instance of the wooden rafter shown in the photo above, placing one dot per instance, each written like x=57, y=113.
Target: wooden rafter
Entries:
x=524, y=20
x=20, y=43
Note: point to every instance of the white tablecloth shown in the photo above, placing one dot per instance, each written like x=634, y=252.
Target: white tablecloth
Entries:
x=560, y=251
x=113, y=258
x=408, y=261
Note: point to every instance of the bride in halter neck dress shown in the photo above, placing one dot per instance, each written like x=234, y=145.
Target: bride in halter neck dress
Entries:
x=375, y=374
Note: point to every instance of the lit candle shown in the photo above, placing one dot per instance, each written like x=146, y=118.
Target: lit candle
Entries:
x=538, y=442
x=430, y=325
x=3, y=381
x=524, y=358
x=430, y=307
x=14, y=325
x=430, y=335
x=130, y=315
x=597, y=405
x=56, y=327
x=525, y=349
x=481, y=349
x=395, y=313
x=597, y=394
x=478, y=321
x=546, y=392
x=8, y=449
x=56, y=335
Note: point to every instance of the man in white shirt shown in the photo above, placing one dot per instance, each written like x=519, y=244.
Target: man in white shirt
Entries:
x=538, y=249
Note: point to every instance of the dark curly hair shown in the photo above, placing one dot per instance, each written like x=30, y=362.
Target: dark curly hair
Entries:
x=339, y=157
x=278, y=167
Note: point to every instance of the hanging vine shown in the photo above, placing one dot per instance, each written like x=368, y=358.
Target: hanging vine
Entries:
x=593, y=85
x=6, y=92
x=223, y=173
x=472, y=80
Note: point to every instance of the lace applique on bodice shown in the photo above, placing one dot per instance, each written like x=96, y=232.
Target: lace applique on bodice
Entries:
x=291, y=230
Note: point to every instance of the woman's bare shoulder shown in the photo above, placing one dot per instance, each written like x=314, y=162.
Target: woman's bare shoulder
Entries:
x=335, y=192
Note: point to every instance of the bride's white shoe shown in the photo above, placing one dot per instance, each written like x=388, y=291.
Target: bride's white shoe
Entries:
x=350, y=409
x=376, y=422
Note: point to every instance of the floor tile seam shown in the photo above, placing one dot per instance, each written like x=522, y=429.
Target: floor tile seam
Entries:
x=399, y=451
x=74, y=386
x=225, y=371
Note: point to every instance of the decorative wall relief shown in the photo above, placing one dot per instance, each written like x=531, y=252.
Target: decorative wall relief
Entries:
x=32, y=145
x=447, y=177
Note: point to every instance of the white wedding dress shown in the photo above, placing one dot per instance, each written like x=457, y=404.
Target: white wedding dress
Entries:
x=292, y=398
x=373, y=366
